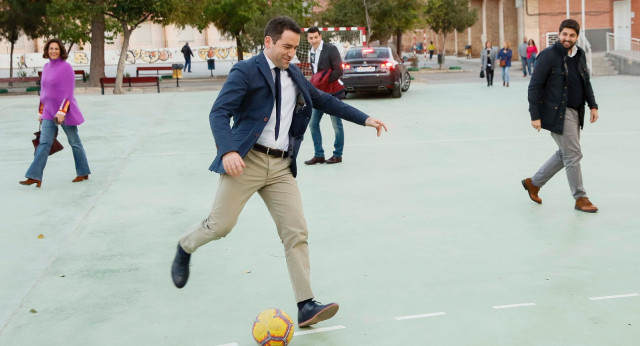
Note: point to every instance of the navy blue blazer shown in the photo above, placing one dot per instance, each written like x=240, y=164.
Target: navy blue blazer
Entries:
x=248, y=96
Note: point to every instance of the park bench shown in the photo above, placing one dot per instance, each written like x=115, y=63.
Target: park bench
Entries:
x=142, y=81
x=77, y=73
x=23, y=80
x=152, y=68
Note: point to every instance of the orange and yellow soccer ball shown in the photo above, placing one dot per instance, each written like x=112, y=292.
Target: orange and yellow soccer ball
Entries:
x=273, y=327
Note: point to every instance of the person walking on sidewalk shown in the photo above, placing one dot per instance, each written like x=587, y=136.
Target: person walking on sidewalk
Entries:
x=504, y=56
x=488, y=61
x=186, y=51
x=270, y=101
x=522, y=51
x=432, y=48
x=559, y=87
x=58, y=106
x=327, y=68
x=532, y=53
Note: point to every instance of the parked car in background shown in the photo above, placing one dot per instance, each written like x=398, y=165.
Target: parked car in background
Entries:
x=374, y=69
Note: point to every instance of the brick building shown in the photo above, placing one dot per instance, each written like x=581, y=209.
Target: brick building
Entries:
x=510, y=20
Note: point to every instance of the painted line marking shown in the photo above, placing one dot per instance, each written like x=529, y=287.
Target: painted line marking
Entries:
x=319, y=330
x=433, y=314
x=513, y=305
x=231, y=344
x=614, y=297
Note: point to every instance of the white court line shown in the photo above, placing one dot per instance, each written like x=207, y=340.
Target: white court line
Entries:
x=513, y=306
x=614, y=297
x=319, y=330
x=433, y=314
x=231, y=344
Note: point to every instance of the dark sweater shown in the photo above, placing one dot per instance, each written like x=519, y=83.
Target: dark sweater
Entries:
x=575, y=87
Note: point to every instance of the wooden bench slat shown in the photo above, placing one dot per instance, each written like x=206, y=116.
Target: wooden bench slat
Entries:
x=131, y=80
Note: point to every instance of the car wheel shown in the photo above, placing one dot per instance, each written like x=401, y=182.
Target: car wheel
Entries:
x=407, y=82
x=396, y=92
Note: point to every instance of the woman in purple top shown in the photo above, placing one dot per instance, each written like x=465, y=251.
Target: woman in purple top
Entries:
x=58, y=106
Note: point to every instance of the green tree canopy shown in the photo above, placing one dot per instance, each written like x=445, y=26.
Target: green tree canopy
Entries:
x=21, y=16
x=445, y=16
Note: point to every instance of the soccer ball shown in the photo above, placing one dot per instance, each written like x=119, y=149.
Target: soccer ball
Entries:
x=273, y=327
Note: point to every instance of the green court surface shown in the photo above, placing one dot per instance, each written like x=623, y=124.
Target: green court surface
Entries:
x=424, y=236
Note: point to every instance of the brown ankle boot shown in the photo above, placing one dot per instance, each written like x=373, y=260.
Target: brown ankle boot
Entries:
x=80, y=178
x=532, y=190
x=583, y=204
x=30, y=181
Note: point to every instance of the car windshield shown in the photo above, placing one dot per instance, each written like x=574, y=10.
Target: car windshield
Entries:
x=367, y=53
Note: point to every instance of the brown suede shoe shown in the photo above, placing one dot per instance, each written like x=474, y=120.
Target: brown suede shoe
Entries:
x=334, y=159
x=314, y=160
x=584, y=204
x=532, y=190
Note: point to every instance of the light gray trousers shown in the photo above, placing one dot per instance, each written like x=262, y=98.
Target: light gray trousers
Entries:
x=568, y=156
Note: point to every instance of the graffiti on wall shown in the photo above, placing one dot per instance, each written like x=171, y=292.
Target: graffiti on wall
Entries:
x=218, y=53
x=80, y=58
x=149, y=56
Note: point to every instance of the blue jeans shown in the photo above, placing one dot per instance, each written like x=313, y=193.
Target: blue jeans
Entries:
x=524, y=65
x=47, y=134
x=505, y=73
x=187, y=62
x=314, y=125
x=531, y=63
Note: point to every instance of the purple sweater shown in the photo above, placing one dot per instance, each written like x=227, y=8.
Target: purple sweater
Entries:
x=57, y=84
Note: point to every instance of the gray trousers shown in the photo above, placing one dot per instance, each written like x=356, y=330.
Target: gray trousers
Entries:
x=568, y=156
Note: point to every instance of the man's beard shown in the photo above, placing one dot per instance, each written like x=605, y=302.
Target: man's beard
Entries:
x=570, y=47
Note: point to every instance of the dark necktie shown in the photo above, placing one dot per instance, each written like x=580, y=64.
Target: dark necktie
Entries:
x=278, y=96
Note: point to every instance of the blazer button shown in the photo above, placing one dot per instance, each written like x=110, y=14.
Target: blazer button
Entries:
x=257, y=135
x=555, y=107
x=266, y=119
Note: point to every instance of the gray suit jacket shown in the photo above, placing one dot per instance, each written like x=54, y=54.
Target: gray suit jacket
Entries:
x=483, y=58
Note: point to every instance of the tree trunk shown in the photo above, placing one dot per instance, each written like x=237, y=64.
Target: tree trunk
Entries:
x=11, y=62
x=366, y=13
x=444, y=41
x=123, y=57
x=399, y=43
x=96, y=66
x=239, y=48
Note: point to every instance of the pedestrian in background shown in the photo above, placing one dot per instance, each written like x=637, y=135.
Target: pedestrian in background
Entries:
x=431, y=48
x=488, y=61
x=58, y=106
x=532, y=53
x=325, y=60
x=186, y=51
x=522, y=51
x=504, y=56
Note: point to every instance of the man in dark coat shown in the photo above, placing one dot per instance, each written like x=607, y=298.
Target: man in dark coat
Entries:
x=186, y=51
x=559, y=87
x=324, y=56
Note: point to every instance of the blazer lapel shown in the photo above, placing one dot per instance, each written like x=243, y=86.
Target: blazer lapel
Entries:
x=263, y=66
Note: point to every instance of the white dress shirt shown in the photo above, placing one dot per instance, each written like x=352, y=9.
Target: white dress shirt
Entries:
x=288, y=93
x=317, y=58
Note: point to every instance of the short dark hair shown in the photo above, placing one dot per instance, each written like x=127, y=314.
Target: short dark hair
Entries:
x=313, y=29
x=63, y=51
x=278, y=25
x=571, y=24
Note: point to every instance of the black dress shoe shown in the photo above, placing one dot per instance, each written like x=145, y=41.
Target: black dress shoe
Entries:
x=314, y=160
x=333, y=159
x=312, y=313
x=180, y=268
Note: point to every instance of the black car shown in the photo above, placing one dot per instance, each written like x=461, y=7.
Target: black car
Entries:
x=374, y=68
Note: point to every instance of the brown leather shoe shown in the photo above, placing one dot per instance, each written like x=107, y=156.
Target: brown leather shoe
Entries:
x=334, y=159
x=314, y=160
x=532, y=190
x=80, y=178
x=30, y=181
x=584, y=204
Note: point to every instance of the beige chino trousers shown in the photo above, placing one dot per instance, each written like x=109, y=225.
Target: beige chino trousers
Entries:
x=272, y=179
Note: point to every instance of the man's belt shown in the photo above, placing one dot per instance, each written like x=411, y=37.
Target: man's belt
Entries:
x=270, y=151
